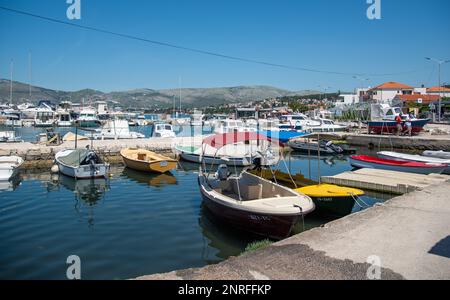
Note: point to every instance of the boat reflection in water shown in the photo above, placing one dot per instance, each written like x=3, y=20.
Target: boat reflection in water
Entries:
x=88, y=193
x=156, y=180
x=10, y=185
x=219, y=240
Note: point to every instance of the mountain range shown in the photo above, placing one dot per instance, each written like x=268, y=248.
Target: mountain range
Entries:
x=148, y=98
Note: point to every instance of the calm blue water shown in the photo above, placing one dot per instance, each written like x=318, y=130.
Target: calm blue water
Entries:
x=133, y=224
x=29, y=134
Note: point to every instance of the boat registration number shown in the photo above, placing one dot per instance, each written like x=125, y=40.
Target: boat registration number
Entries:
x=325, y=199
x=163, y=164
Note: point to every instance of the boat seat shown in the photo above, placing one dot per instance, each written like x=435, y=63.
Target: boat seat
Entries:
x=251, y=192
x=142, y=156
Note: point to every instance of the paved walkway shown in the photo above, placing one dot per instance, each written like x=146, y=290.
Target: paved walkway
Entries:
x=409, y=234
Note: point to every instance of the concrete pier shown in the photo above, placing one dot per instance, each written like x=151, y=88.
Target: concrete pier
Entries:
x=37, y=155
x=385, y=181
x=416, y=143
x=408, y=235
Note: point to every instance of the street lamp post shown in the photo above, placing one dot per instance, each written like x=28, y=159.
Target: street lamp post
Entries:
x=440, y=63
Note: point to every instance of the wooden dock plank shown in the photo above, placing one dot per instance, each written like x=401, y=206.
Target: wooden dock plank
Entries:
x=385, y=181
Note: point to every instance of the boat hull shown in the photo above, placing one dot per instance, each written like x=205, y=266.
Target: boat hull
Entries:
x=417, y=158
x=64, y=124
x=7, y=172
x=275, y=227
x=437, y=154
x=153, y=167
x=334, y=206
x=209, y=160
x=88, y=124
x=44, y=125
x=9, y=167
x=84, y=172
x=381, y=127
x=418, y=170
x=312, y=148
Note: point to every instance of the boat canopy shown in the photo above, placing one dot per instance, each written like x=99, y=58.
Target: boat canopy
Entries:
x=220, y=140
x=79, y=157
x=283, y=136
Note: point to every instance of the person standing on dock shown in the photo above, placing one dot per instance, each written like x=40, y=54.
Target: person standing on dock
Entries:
x=409, y=125
x=398, y=119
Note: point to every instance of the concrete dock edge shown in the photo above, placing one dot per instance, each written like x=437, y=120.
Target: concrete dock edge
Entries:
x=404, y=234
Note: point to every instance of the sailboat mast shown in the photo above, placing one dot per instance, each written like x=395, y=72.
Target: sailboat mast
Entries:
x=31, y=73
x=174, y=106
x=11, y=81
x=179, y=88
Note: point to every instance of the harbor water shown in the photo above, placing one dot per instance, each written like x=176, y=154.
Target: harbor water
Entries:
x=130, y=225
x=30, y=134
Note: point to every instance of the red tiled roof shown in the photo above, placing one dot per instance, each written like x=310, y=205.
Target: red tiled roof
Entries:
x=393, y=86
x=436, y=89
x=416, y=97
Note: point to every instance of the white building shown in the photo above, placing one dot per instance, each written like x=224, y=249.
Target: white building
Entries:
x=386, y=92
x=348, y=99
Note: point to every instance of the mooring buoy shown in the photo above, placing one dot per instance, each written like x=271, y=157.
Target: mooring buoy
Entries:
x=55, y=169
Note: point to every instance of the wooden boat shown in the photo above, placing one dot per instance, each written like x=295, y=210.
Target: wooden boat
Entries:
x=249, y=202
x=363, y=161
x=437, y=154
x=147, y=161
x=81, y=164
x=331, y=200
x=9, y=166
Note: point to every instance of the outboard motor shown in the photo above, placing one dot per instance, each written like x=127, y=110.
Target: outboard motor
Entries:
x=337, y=149
x=222, y=173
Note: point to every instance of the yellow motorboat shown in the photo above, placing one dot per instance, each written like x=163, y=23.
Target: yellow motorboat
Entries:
x=329, y=190
x=329, y=199
x=147, y=161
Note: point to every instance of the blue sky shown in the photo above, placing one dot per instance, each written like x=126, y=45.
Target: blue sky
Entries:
x=327, y=35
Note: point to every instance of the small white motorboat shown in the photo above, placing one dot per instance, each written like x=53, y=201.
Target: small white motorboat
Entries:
x=117, y=130
x=81, y=164
x=437, y=154
x=9, y=166
x=314, y=147
x=412, y=157
x=249, y=202
x=241, y=156
x=64, y=119
x=416, y=158
x=9, y=137
x=163, y=130
x=364, y=161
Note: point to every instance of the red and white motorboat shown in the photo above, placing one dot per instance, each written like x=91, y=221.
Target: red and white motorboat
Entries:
x=364, y=161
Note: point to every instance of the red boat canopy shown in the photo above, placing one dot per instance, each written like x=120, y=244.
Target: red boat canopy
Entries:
x=220, y=140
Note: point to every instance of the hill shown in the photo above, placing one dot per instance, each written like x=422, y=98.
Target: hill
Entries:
x=148, y=98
